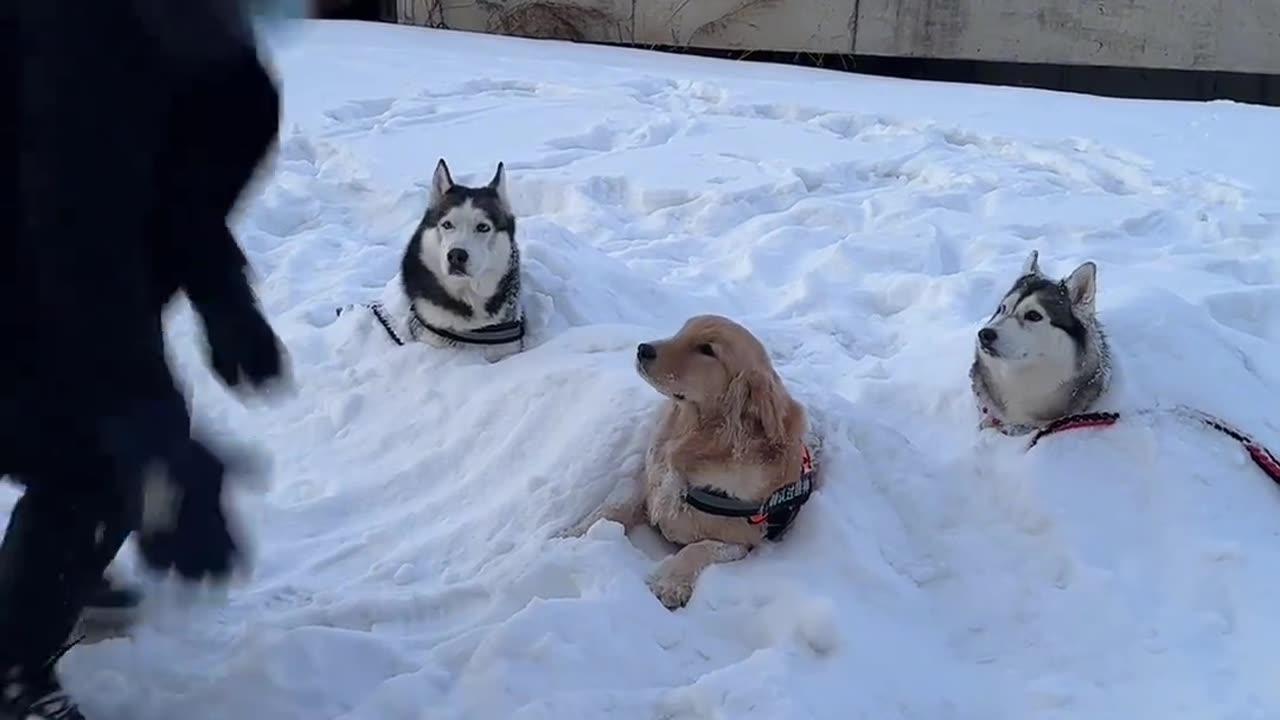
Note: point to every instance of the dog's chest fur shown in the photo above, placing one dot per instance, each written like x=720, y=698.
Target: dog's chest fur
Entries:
x=667, y=481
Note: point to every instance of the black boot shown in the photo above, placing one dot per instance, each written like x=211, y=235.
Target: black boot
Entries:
x=36, y=694
x=60, y=539
x=43, y=701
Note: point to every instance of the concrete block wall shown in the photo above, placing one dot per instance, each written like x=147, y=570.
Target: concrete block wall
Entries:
x=1220, y=35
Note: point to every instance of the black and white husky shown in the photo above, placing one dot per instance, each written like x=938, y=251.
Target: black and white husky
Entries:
x=1043, y=355
x=460, y=274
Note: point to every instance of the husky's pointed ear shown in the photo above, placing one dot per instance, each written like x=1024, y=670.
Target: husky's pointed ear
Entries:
x=1031, y=266
x=441, y=182
x=1082, y=286
x=499, y=182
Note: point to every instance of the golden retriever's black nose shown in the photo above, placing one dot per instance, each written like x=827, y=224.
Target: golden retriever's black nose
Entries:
x=645, y=351
x=986, y=336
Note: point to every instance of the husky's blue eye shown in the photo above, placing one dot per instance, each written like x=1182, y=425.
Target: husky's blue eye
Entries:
x=446, y=225
x=483, y=227
x=1033, y=316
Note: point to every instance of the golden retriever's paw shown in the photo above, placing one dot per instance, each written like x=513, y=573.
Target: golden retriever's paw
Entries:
x=673, y=589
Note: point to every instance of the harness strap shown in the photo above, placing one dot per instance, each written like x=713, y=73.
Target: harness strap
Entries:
x=1259, y=454
x=380, y=313
x=777, y=511
x=716, y=502
x=496, y=334
x=1072, y=422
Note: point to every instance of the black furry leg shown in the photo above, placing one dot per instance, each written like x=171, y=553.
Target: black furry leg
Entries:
x=58, y=544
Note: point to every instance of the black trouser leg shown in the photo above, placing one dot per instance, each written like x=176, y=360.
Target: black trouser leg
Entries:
x=59, y=541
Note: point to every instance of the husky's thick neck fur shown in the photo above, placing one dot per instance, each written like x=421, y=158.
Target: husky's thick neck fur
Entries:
x=461, y=270
x=1043, y=354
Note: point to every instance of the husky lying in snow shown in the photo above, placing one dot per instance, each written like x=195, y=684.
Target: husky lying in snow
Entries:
x=460, y=274
x=730, y=464
x=1043, y=354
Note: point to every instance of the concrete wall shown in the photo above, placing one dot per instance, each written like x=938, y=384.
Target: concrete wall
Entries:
x=1228, y=35
x=1225, y=35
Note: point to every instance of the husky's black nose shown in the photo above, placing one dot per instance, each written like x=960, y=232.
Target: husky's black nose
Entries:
x=457, y=257
x=986, y=336
x=645, y=351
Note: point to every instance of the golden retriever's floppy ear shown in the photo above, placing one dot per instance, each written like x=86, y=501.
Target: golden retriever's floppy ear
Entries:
x=756, y=406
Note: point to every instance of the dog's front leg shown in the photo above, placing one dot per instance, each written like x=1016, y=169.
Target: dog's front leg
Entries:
x=674, y=580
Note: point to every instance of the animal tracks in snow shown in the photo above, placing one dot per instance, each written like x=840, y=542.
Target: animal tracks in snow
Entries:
x=854, y=194
x=409, y=560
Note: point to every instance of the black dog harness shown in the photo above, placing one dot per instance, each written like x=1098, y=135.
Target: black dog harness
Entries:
x=777, y=512
x=496, y=334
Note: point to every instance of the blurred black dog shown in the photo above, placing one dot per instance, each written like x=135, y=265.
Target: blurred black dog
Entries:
x=138, y=126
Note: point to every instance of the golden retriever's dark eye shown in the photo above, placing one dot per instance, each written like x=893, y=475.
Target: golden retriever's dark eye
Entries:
x=1033, y=316
x=706, y=349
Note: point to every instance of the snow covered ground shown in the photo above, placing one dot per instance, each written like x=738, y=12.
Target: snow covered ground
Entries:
x=863, y=228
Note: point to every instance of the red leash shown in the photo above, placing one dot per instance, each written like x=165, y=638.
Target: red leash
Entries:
x=1261, y=456
x=1072, y=422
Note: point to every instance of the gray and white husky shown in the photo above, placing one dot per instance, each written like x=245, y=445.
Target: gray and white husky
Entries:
x=461, y=271
x=1043, y=355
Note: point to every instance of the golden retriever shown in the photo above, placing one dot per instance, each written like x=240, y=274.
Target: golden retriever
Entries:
x=728, y=425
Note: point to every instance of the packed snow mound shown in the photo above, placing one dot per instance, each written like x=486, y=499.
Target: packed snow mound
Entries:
x=407, y=564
